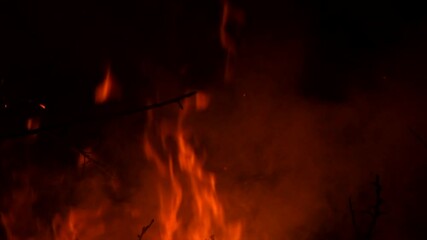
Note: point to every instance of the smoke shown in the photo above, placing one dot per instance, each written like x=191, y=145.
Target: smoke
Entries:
x=287, y=164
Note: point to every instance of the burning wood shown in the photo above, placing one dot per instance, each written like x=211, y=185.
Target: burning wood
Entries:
x=144, y=229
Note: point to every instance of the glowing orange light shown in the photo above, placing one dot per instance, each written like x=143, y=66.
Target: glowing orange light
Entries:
x=33, y=123
x=104, y=90
x=79, y=224
x=42, y=106
x=202, y=101
x=190, y=208
x=81, y=161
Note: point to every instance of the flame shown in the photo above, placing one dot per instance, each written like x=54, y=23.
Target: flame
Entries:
x=76, y=225
x=189, y=204
x=105, y=91
x=82, y=159
x=17, y=217
x=33, y=123
x=202, y=101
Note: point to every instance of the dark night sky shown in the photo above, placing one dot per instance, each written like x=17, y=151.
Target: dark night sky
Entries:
x=54, y=51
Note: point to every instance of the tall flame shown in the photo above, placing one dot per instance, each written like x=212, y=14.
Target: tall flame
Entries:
x=189, y=207
x=189, y=204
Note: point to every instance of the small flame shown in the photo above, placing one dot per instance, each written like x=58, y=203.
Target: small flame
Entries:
x=76, y=225
x=81, y=162
x=33, y=123
x=17, y=213
x=42, y=106
x=202, y=101
x=106, y=90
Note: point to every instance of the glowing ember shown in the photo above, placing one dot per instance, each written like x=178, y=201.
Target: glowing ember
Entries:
x=189, y=205
x=33, y=123
x=82, y=159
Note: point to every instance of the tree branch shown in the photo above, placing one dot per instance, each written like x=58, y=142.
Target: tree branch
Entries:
x=144, y=229
x=86, y=119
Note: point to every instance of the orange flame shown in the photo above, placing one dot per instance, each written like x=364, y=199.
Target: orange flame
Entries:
x=76, y=225
x=33, y=123
x=189, y=204
x=18, y=212
x=105, y=90
x=202, y=101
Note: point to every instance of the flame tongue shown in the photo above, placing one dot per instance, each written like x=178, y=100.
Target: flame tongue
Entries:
x=107, y=90
x=189, y=204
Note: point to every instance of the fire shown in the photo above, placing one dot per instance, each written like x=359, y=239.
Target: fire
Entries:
x=107, y=89
x=189, y=204
x=202, y=101
x=78, y=224
x=226, y=41
x=33, y=123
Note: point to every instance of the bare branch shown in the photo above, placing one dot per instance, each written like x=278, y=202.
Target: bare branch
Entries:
x=376, y=209
x=144, y=229
x=86, y=119
x=374, y=212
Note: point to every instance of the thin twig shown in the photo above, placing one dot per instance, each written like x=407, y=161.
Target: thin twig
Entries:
x=376, y=209
x=105, y=117
x=84, y=154
x=374, y=212
x=144, y=229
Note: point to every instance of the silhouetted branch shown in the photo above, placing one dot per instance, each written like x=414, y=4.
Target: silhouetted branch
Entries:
x=87, y=157
x=144, y=229
x=376, y=209
x=104, y=117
